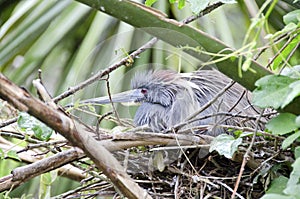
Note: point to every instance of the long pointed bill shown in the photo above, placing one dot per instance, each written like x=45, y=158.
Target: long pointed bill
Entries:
x=130, y=97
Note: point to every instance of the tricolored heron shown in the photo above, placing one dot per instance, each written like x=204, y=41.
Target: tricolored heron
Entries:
x=167, y=98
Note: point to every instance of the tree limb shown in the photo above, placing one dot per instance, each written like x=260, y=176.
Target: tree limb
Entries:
x=75, y=132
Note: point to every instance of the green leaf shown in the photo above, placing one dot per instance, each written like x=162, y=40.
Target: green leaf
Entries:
x=283, y=56
x=272, y=91
x=295, y=92
x=278, y=185
x=292, y=17
x=295, y=174
x=46, y=181
x=30, y=124
x=150, y=2
x=293, y=190
x=297, y=120
x=290, y=139
x=181, y=4
x=297, y=152
x=282, y=124
x=25, y=121
x=225, y=145
x=42, y=132
x=13, y=155
x=292, y=72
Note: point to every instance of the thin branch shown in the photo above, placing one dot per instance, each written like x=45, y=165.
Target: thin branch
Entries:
x=206, y=11
x=78, y=134
x=281, y=49
x=24, y=173
x=246, y=158
x=110, y=99
x=205, y=106
x=129, y=58
x=102, y=73
x=8, y=122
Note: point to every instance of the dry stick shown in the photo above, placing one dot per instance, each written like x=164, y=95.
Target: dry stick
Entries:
x=102, y=73
x=202, y=13
x=205, y=106
x=43, y=144
x=98, y=123
x=78, y=134
x=8, y=122
x=110, y=99
x=246, y=158
x=127, y=59
x=229, y=188
x=250, y=117
x=23, y=173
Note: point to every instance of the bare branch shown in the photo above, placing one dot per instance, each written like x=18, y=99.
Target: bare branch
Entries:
x=75, y=132
x=24, y=173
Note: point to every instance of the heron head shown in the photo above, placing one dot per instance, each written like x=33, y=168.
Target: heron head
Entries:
x=156, y=87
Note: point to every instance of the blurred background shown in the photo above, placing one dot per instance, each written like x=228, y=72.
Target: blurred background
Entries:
x=69, y=42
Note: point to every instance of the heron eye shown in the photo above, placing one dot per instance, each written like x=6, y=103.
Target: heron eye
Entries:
x=144, y=91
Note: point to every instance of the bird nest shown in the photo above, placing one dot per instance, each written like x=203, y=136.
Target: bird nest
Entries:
x=181, y=169
x=195, y=173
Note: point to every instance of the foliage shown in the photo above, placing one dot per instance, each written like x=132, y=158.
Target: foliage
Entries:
x=225, y=145
x=274, y=87
x=286, y=188
x=278, y=91
x=29, y=124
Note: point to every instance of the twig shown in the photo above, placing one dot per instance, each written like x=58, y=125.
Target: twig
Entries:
x=99, y=121
x=8, y=122
x=249, y=117
x=245, y=159
x=230, y=189
x=281, y=49
x=264, y=162
x=43, y=144
x=210, y=102
x=21, y=174
x=110, y=99
x=291, y=54
x=102, y=73
x=207, y=10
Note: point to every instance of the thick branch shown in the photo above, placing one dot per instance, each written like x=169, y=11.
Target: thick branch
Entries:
x=75, y=132
x=22, y=174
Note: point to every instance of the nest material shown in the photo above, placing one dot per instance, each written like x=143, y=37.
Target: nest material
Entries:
x=188, y=174
x=212, y=176
x=183, y=174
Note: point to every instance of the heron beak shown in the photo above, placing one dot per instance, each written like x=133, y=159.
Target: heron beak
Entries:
x=131, y=97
